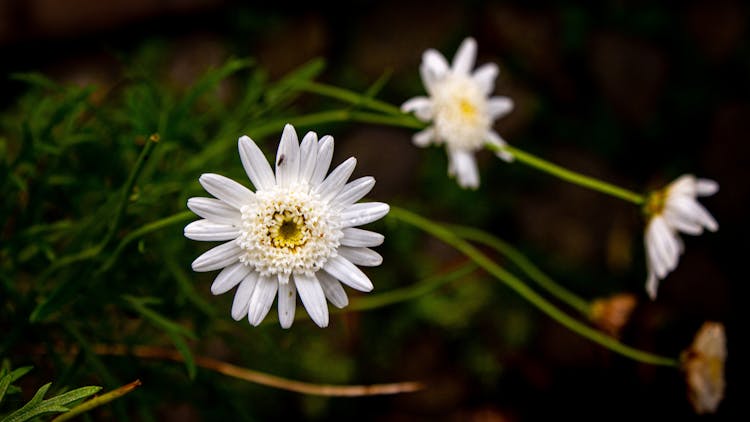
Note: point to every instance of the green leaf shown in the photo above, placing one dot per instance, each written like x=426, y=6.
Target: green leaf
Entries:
x=36, y=407
x=7, y=379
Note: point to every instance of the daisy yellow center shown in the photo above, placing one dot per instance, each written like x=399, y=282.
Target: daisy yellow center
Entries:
x=288, y=231
x=655, y=203
x=460, y=109
x=468, y=110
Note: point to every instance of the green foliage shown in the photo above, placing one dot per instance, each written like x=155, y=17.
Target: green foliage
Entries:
x=38, y=406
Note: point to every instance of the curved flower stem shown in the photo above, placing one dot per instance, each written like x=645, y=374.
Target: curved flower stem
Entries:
x=571, y=176
x=351, y=97
x=447, y=236
x=156, y=352
x=414, y=291
x=524, y=264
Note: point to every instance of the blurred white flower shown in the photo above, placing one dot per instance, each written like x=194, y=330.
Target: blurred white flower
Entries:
x=703, y=365
x=671, y=210
x=460, y=109
x=294, y=234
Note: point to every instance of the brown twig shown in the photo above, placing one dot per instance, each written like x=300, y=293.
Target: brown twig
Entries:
x=156, y=352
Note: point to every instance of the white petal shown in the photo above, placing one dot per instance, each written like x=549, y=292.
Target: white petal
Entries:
x=361, y=238
x=424, y=137
x=499, y=106
x=287, y=304
x=333, y=289
x=308, y=151
x=205, y=230
x=464, y=59
x=227, y=190
x=325, y=153
x=689, y=209
x=313, y=298
x=311, y=293
x=353, y=191
x=682, y=186
x=283, y=278
x=652, y=283
x=341, y=269
x=653, y=251
x=287, y=157
x=255, y=164
x=363, y=213
x=241, y=302
x=687, y=226
x=485, y=76
x=421, y=106
x=332, y=185
x=262, y=299
x=462, y=164
x=218, y=257
x=230, y=277
x=494, y=139
x=433, y=68
x=361, y=256
x=706, y=187
x=215, y=210
x=667, y=245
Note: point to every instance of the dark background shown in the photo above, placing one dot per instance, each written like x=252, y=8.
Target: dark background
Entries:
x=634, y=92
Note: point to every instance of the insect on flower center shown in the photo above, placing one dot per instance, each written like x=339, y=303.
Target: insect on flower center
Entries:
x=288, y=230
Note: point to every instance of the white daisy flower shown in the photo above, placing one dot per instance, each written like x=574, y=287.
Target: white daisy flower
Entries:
x=672, y=210
x=460, y=109
x=294, y=235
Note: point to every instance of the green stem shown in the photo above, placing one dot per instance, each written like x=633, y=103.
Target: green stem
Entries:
x=524, y=264
x=400, y=121
x=414, y=291
x=526, y=292
x=351, y=97
x=571, y=176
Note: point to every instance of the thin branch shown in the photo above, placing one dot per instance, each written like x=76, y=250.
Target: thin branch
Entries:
x=163, y=353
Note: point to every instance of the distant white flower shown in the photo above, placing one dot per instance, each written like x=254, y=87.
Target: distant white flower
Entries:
x=294, y=234
x=460, y=109
x=671, y=210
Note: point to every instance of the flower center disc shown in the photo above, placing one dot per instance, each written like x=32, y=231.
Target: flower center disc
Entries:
x=461, y=118
x=288, y=230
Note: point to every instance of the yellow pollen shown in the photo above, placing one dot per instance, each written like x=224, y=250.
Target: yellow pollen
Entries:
x=468, y=110
x=655, y=203
x=288, y=230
